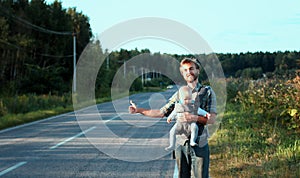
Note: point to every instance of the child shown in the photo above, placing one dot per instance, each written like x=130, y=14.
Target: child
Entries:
x=184, y=105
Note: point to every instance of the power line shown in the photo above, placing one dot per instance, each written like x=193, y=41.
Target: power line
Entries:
x=32, y=26
x=41, y=29
x=40, y=54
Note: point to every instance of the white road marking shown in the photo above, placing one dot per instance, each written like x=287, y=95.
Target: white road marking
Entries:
x=12, y=168
x=61, y=143
x=81, y=133
x=144, y=102
x=71, y=138
x=114, y=117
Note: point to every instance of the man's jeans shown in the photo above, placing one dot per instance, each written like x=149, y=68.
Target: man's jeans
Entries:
x=192, y=161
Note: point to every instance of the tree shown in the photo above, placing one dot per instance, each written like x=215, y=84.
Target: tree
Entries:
x=35, y=34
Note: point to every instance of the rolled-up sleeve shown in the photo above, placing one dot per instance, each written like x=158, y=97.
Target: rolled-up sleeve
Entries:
x=169, y=107
x=213, y=102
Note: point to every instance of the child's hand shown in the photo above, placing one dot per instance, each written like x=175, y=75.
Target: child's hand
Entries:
x=169, y=120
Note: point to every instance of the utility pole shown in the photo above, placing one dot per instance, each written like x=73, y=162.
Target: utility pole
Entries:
x=124, y=68
x=74, y=62
x=142, y=76
x=107, y=61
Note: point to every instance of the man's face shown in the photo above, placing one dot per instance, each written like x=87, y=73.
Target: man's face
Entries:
x=189, y=72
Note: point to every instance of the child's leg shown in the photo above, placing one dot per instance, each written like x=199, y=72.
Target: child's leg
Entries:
x=194, y=134
x=172, y=138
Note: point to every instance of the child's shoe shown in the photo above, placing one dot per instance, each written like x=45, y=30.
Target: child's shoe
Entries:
x=192, y=143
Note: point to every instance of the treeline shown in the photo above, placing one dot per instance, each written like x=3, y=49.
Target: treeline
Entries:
x=254, y=65
x=244, y=65
x=36, y=46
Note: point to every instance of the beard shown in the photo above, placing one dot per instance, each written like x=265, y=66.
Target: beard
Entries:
x=191, y=78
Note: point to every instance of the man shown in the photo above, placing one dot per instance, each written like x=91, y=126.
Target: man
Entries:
x=192, y=161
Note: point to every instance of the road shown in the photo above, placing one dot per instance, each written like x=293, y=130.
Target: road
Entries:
x=82, y=144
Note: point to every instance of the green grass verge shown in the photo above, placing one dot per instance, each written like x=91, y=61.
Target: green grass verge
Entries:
x=11, y=120
x=247, y=145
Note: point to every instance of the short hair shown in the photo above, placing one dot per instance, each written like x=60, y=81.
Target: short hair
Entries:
x=184, y=89
x=189, y=60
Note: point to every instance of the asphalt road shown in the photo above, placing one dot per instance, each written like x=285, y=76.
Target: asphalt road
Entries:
x=106, y=142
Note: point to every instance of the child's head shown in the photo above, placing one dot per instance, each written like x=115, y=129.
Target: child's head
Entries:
x=185, y=95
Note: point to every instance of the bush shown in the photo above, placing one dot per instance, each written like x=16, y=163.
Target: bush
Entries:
x=32, y=102
x=274, y=98
x=234, y=86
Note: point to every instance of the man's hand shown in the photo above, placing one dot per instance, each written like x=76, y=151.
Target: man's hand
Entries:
x=132, y=108
x=208, y=116
x=188, y=117
x=155, y=113
x=212, y=118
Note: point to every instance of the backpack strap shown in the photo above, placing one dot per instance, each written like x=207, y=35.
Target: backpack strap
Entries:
x=203, y=101
x=204, y=98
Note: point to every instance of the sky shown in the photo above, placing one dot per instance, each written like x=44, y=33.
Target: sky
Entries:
x=231, y=26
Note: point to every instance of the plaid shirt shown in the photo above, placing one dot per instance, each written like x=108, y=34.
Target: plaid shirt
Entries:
x=203, y=96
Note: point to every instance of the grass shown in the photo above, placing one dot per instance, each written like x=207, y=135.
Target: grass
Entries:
x=247, y=145
x=14, y=119
x=11, y=120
